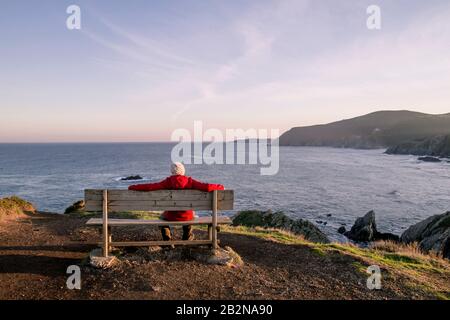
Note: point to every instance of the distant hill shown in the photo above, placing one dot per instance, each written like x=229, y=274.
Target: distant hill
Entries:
x=375, y=130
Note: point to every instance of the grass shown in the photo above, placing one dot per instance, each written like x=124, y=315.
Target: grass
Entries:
x=272, y=234
x=385, y=253
x=14, y=206
x=425, y=271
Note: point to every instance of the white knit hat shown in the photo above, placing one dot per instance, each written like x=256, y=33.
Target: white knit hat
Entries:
x=177, y=168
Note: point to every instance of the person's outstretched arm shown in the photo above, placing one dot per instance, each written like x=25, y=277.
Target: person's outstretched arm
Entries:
x=150, y=186
x=208, y=187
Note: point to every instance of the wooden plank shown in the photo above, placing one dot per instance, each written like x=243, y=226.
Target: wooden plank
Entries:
x=158, y=205
x=118, y=194
x=160, y=243
x=153, y=208
x=129, y=222
x=150, y=206
x=155, y=195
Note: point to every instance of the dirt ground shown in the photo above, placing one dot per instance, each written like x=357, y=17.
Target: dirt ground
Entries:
x=36, y=250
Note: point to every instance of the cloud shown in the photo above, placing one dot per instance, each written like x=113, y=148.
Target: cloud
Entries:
x=289, y=67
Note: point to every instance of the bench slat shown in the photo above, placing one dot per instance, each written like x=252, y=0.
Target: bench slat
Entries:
x=172, y=200
x=130, y=222
x=115, y=194
x=121, y=205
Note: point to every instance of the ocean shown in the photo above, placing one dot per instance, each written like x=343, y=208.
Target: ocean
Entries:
x=330, y=187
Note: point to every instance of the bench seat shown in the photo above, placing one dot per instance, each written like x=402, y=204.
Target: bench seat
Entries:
x=131, y=222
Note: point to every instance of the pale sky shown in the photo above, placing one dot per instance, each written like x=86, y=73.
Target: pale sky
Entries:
x=137, y=70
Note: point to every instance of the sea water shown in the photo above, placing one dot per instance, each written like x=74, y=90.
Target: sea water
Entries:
x=330, y=187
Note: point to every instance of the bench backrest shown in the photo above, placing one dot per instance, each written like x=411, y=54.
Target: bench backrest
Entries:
x=161, y=200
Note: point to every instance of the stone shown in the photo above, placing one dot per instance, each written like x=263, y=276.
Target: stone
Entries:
x=432, y=234
x=279, y=220
x=429, y=159
x=75, y=207
x=136, y=177
x=97, y=260
x=341, y=230
x=365, y=230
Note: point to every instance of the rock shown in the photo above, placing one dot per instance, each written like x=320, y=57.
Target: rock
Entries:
x=436, y=146
x=136, y=177
x=329, y=215
x=222, y=256
x=97, y=260
x=226, y=257
x=386, y=236
x=76, y=207
x=278, y=220
x=429, y=159
x=341, y=230
x=432, y=234
x=365, y=230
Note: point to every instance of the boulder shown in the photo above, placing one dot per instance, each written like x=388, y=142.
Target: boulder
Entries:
x=97, y=260
x=341, y=230
x=386, y=236
x=279, y=220
x=136, y=177
x=429, y=159
x=432, y=234
x=75, y=208
x=365, y=230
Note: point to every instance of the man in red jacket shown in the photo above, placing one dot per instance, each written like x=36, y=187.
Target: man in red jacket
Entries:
x=175, y=182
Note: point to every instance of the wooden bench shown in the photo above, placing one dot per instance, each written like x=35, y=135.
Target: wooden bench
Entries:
x=107, y=201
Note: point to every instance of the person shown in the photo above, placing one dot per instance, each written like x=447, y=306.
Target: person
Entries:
x=178, y=180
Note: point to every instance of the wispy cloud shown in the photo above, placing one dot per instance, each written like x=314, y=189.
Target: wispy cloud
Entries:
x=264, y=64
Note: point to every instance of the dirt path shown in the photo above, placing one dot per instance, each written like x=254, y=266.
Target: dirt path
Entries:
x=35, y=252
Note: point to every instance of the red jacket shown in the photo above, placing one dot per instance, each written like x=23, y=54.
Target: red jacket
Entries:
x=175, y=183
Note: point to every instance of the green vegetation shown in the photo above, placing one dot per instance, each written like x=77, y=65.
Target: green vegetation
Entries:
x=425, y=271
x=280, y=221
x=15, y=206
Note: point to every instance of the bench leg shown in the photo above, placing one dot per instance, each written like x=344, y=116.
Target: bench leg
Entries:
x=105, y=224
x=210, y=232
x=106, y=240
x=214, y=222
x=109, y=239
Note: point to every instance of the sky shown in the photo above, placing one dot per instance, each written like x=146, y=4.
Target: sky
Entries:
x=138, y=70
